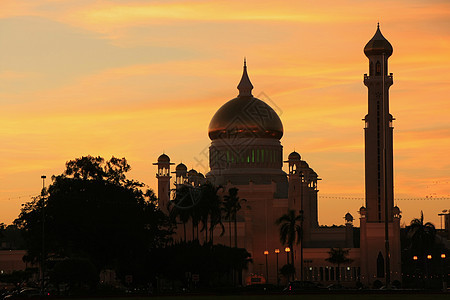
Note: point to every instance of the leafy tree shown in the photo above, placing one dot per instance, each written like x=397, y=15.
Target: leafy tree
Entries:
x=338, y=256
x=93, y=211
x=290, y=230
x=11, y=237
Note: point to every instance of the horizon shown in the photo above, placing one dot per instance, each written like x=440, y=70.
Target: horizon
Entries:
x=136, y=79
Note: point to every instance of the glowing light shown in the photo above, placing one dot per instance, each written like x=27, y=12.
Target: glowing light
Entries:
x=266, y=252
x=287, y=249
x=277, y=251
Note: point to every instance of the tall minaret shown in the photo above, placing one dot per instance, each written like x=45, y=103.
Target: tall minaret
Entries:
x=163, y=176
x=378, y=131
x=380, y=221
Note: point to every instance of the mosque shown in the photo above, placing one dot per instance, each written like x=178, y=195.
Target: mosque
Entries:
x=246, y=153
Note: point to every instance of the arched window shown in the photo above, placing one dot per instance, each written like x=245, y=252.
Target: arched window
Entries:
x=378, y=71
x=380, y=265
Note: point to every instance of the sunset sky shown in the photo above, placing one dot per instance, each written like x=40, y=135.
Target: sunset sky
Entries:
x=138, y=78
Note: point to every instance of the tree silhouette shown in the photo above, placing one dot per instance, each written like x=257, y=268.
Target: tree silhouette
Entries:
x=181, y=207
x=231, y=206
x=93, y=211
x=421, y=235
x=338, y=256
x=290, y=230
x=210, y=208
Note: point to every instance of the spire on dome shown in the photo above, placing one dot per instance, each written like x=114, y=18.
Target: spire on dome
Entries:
x=245, y=87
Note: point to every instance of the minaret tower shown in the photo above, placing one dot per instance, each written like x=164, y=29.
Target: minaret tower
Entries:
x=380, y=230
x=378, y=131
x=163, y=177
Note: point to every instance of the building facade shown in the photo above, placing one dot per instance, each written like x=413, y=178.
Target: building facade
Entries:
x=246, y=153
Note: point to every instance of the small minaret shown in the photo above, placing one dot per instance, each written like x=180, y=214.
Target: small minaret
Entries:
x=180, y=174
x=302, y=193
x=295, y=182
x=163, y=176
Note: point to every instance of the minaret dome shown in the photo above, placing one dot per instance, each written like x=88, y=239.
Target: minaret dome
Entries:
x=378, y=45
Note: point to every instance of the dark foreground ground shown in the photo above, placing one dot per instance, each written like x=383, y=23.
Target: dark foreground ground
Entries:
x=326, y=296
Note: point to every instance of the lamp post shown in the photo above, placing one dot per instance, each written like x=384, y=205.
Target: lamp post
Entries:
x=427, y=264
x=266, y=253
x=415, y=258
x=43, y=232
x=277, y=251
x=301, y=225
x=287, y=250
x=444, y=281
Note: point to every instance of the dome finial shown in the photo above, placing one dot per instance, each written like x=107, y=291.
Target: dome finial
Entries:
x=245, y=87
x=378, y=25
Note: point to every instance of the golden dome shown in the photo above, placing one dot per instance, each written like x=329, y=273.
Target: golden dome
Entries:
x=245, y=116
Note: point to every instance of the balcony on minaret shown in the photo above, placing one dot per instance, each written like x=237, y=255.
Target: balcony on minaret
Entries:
x=162, y=172
x=371, y=79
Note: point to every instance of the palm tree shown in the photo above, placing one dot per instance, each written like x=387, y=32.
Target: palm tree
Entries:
x=421, y=239
x=209, y=209
x=421, y=235
x=231, y=205
x=290, y=230
x=227, y=207
x=338, y=256
x=180, y=207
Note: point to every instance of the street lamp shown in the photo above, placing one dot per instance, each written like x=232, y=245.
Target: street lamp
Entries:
x=444, y=281
x=43, y=232
x=287, y=250
x=416, y=273
x=277, y=251
x=266, y=253
x=302, y=177
x=428, y=267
